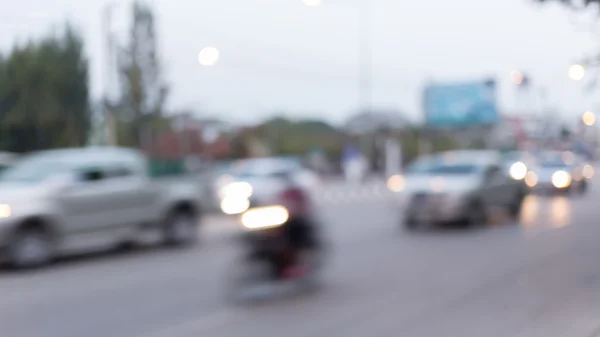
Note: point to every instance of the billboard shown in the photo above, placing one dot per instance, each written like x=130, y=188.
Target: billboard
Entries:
x=461, y=104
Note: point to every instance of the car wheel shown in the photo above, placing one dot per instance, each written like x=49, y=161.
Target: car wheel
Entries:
x=409, y=224
x=515, y=209
x=583, y=187
x=30, y=248
x=249, y=282
x=180, y=228
x=477, y=214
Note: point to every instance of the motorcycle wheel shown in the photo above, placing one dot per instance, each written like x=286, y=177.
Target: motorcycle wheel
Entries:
x=249, y=282
x=313, y=279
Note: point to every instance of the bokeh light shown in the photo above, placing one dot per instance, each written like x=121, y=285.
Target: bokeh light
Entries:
x=312, y=3
x=208, y=56
x=588, y=118
x=576, y=72
x=517, y=77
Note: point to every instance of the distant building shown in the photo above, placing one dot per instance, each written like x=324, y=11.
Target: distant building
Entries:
x=192, y=136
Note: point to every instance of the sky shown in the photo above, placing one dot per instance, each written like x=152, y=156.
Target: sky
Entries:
x=281, y=56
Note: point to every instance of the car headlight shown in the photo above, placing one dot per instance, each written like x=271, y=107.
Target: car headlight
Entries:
x=5, y=211
x=396, y=183
x=518, y=171
x=588, y=171
x=531, y=179
x=234, y=205
x=561, y=179
x=265, y=217
x=239, y=189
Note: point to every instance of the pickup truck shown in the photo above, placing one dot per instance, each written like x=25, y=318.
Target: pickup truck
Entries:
x=57, y=202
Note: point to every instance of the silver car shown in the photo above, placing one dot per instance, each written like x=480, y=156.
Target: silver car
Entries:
x=68, y=201
x=456, y=186
x=561, y=171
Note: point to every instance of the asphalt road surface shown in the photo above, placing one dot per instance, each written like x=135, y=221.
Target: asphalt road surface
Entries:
x=539, y=276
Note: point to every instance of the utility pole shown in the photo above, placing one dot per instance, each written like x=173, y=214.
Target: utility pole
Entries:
x=109, y=120
x=364, y=74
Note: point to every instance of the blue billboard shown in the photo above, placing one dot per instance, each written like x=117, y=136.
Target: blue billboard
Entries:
x=461, y=104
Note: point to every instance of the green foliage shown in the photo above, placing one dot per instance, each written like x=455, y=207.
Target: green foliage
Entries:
x=574, y=3
x=298, y=138
x=143, y=93
x=44, y=95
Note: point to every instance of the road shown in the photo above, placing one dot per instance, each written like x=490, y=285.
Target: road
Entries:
x=539, y=276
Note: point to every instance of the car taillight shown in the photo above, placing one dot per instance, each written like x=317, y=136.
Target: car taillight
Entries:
x=295, y=200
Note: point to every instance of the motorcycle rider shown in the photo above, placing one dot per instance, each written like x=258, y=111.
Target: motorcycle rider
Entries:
x=301, y=230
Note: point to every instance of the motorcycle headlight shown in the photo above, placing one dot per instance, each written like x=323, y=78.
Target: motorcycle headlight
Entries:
x=518, y=171
x=265, y=217
x=561, y=179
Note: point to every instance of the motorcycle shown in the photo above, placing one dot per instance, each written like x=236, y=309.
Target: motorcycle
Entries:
x=280, y=251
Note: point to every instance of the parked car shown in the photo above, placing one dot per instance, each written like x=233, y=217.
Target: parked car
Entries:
x=456, y=186
x=57, y=202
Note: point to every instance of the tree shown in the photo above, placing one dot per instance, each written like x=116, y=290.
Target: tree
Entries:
x=577, y=4
x=44, y=95
x=144, y=92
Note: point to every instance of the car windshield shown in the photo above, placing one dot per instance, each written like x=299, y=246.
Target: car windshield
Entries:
x=513, y=156
x=32, y=171
x=554, y=161
x=441, y=168
x=558, y=164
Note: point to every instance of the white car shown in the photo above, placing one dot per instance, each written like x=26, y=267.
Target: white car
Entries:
x=456, y=186
x=562, y=171
x=263, y=178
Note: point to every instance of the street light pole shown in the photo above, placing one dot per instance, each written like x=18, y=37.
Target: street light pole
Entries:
x=364, y=55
